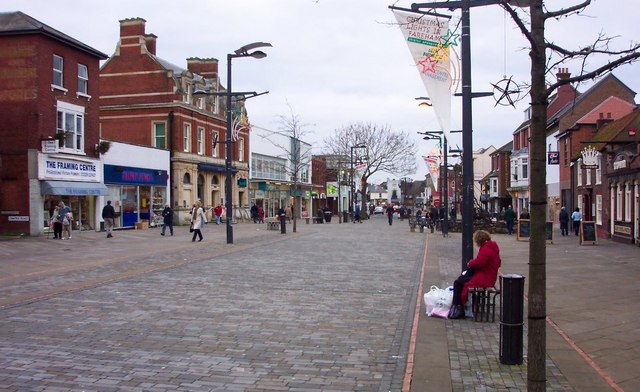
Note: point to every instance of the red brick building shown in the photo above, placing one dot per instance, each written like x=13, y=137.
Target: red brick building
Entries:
x=49, y=103
x=149, y=101
x=577, y=123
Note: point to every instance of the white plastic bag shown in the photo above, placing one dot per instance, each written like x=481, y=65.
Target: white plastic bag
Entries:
x=438, y=301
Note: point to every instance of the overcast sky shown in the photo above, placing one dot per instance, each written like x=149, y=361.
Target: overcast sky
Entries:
x=336, y=62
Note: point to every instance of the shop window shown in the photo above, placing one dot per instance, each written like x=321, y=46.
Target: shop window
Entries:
x=599, y=209
x=186, y=179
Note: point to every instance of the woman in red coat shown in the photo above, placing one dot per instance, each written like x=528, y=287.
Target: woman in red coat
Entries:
x=485, y=272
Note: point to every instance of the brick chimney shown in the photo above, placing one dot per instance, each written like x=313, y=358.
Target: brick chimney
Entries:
x=566, y=92
x=207, y=68
x=133, y=38
x=602, y=120
x=150, y=40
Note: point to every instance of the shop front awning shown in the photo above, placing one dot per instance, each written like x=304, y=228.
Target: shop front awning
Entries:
x=71, y=188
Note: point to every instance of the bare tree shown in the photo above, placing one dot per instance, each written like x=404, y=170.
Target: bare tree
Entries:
x=289, y=140
x=384, y=151
x=545, y=55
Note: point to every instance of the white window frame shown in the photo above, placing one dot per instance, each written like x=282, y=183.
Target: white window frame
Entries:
x=187, y=93
x=58, y=73
x=200, y=140
x=587, y=176
x=155, y=134
x=494, y=186
x=580, y=204
x=579, y=172
x=599, y=171
x=524, y=168
x=214, y=150
x=186, y=137
x=618, y=202
x=627, y=203
x=83, y=80
x=599, y=209
x=70, y=118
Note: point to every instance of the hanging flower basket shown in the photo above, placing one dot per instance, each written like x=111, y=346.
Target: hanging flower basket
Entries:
x=103, y=147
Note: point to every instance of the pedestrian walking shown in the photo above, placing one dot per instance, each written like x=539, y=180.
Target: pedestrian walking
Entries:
x=390, y=212
x=198, y=220
x=109, y=215
x=254, y=213
x=356, y=217
x=217, y=211
x=167, y=214
x=564, y=221
x=509, y=218
x=56, y=223
x=66, y=217
x=576, y=217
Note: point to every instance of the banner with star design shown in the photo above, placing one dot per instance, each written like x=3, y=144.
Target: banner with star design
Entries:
x=429, y=40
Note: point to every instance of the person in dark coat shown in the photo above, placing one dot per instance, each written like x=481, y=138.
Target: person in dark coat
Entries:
x=564, y=221
x=485, y=272
x=509, y=218
x=109, y=215
x=390, y=212
x=167, y=213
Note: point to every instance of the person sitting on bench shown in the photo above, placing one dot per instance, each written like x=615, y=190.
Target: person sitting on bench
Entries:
x=482, y=272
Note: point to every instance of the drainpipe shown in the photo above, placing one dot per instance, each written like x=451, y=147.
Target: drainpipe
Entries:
x=170, y=117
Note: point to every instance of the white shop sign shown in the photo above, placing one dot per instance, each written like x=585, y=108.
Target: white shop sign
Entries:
x=55, y=167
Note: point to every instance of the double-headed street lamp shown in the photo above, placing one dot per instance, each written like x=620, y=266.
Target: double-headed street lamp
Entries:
x=351, y=194
x=245, y=51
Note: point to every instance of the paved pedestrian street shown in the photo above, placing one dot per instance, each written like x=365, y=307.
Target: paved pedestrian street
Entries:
x=316, y=311
x=333, y=307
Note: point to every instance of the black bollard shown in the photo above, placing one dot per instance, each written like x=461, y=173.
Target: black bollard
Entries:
x=283, y=224
x=511, y=319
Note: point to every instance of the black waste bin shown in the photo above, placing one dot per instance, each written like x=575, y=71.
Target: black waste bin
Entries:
x=345, y=216
x=511, y=319
x=327, y=216
x=283, y=224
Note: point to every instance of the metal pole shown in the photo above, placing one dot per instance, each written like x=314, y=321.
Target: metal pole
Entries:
x=445, y=180
x=351, y=181
x=229, y=152
x=467, y=139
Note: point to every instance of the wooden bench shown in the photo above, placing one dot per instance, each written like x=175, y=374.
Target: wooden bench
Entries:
x=483, y=303
x=413, y=222
x=272, y=224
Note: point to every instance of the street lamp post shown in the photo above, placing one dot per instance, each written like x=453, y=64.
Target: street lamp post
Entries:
x=351, y=194
x=245, y=51
x=439, y=135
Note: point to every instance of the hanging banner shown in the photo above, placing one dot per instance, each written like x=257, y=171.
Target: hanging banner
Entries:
x=430, y=43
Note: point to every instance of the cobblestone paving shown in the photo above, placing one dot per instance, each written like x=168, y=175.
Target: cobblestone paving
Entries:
x=328, y=311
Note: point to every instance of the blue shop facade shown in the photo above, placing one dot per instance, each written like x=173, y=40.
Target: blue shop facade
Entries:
x=137, y=180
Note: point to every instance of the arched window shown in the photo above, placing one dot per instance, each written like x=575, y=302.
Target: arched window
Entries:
x=215, y=180
x=186, y=179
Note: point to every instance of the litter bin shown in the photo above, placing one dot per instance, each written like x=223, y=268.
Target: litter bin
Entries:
x=345, y=216
x=283, y=224
x=327, y=216
x=511, y=319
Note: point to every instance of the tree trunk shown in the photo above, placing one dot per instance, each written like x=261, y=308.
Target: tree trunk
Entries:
x=536, y=370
